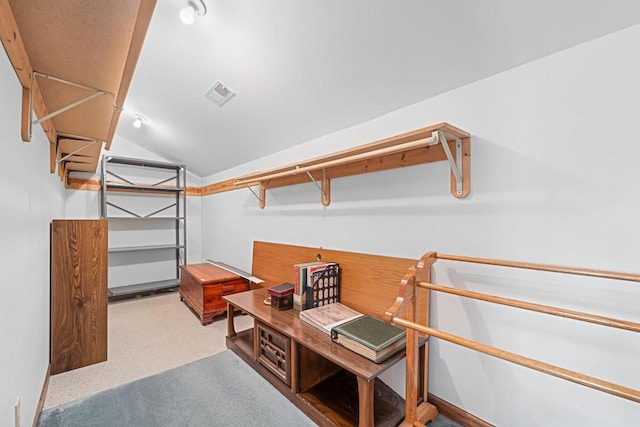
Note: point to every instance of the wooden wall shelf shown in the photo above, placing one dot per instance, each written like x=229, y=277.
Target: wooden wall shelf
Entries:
x=430, y=144
x=64, y=54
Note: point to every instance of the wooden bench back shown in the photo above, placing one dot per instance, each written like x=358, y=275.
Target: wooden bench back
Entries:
x=369, y=283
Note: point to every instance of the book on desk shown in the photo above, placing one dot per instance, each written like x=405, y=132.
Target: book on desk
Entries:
x=328, y=316
x=370, y=337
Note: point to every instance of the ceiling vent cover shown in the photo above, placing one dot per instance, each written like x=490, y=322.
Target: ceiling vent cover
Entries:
x=219, y=93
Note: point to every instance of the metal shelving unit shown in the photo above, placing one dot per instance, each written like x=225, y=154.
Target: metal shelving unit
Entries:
x=144, y=199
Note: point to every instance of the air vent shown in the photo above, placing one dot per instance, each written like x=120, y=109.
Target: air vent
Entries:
x=219, y=93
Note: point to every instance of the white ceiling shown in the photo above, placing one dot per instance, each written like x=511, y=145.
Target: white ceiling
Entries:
x=305, y=68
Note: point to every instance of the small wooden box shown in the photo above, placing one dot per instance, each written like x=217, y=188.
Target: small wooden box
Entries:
x=281, y=296
x=202, y=287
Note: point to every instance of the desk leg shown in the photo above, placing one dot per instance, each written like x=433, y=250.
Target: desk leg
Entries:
x=293, y=367
x=231, y=330
x=365, y=402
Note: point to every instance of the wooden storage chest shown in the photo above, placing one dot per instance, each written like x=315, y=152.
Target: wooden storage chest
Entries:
x=202, y=287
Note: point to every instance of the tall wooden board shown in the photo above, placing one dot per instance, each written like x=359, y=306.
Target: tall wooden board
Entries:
x=78, y=293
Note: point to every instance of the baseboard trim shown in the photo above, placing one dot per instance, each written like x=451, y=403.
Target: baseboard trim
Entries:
x=43, y=396
x=456, y=414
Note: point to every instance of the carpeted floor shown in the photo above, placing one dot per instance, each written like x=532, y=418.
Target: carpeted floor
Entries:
x=145, y=337
x=219, y=390
x=215, y=391
x=156, y=346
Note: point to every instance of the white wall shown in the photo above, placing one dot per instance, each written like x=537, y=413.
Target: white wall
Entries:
x=554, y=180
x=30, y=198
x=86, y=204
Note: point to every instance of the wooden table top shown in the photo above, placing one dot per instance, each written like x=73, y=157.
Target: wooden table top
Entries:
x=288, y=323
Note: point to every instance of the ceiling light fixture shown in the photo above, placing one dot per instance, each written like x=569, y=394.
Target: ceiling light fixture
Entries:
x=188, y=14
x=140, y=119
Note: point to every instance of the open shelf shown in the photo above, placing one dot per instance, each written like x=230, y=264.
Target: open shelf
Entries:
x=142, y=288
x=339, y=394
x=243, y=342
x=76, y=91
x=169, y=218
x=440, y=142
x=138, y=188
x=147, y=191
x=145, y=248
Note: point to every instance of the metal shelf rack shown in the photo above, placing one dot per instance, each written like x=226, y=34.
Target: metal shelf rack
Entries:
x=159, y=189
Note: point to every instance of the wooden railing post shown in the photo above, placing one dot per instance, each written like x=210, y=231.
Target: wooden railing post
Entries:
x=426, y=411
x=407, y=306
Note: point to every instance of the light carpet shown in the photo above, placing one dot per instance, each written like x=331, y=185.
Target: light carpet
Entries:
x=146, y=336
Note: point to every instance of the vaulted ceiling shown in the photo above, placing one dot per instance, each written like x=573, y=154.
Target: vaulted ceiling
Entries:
x=305, y=68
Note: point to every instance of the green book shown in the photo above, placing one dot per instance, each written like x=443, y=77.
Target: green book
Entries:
x=370, y=337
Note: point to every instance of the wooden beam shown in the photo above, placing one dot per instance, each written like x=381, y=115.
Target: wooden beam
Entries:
x=14, y=45
x=25, y=128
x=82, y=184
x=95, y=185
x=263, y=196
x=220, y=187
x=52, y=157
x=139, y=33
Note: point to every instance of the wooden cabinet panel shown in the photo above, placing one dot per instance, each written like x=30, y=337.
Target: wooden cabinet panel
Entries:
x=78, y=293
x=274, y=352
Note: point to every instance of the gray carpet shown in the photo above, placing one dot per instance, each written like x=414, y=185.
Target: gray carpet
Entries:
x=220, y=390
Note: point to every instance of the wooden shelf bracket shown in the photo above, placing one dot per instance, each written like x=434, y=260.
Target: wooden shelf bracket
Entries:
x=261, y=197
x=90, y=142
x=95, y=93
x=324, y=187
x=325, y=196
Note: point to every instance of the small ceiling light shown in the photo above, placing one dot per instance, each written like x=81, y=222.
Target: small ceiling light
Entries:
x=188, y=14
x=140, y=119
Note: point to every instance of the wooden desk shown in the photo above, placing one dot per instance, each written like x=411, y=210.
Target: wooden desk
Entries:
x=311, y=360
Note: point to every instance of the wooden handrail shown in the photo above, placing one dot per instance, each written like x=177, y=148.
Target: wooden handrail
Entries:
x=555, y=311
x=419, y=277
x=543, y=267
x=595, y=383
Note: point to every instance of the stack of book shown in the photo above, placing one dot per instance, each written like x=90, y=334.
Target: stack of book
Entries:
x=315, y=284
x=328, y=316
x=370, y=337
x=363, y=334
